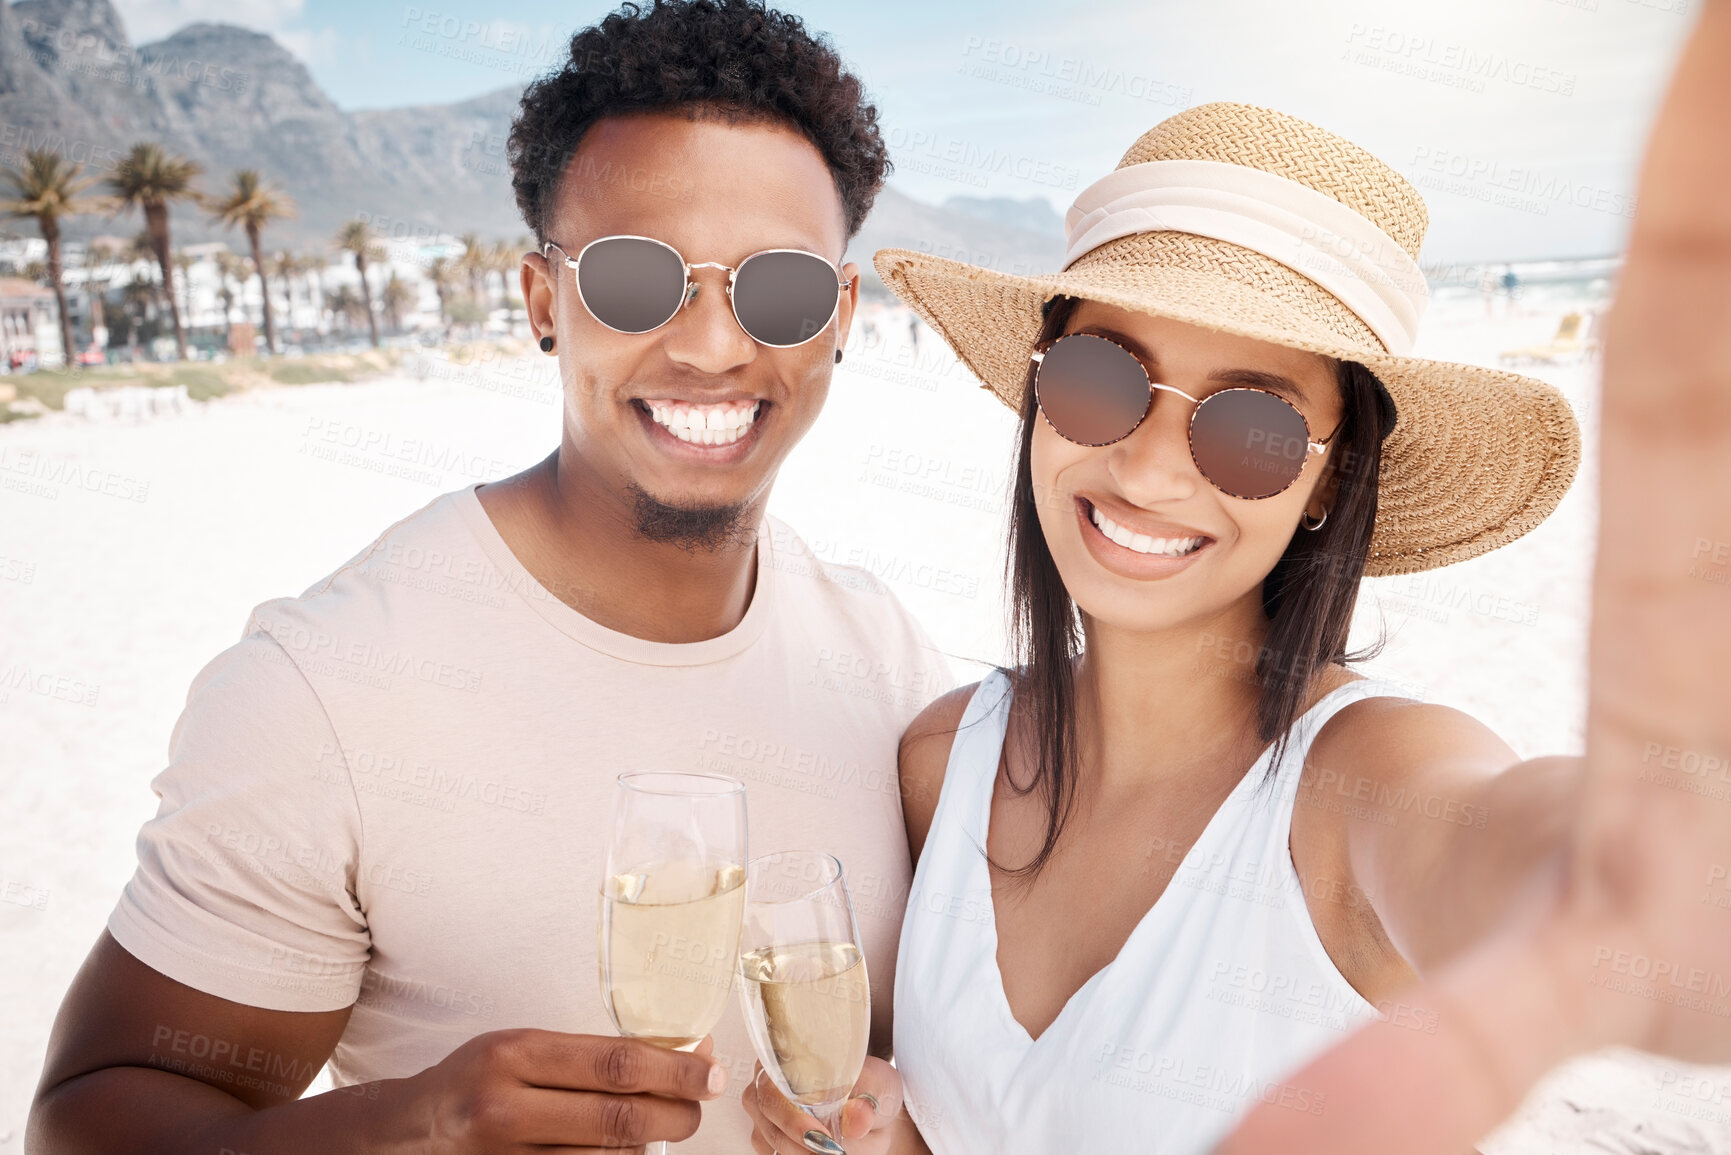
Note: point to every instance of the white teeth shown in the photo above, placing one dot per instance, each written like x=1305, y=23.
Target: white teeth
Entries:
x=1141, y=542
x=705, y=424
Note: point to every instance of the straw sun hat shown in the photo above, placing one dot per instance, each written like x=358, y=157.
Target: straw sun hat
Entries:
x=1252, y=222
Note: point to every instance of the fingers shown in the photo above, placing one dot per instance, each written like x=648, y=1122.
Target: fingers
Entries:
x=617, y=1066
x=778, y=1125
x=1499, y=1025
x=608, y=1121
x=876, y=1100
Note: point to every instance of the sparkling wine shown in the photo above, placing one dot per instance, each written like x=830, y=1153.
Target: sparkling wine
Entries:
x=809, y=1006
x=670, y=947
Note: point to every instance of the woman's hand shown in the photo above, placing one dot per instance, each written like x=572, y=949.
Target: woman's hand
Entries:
x=867, y=1121
x=1632, y=945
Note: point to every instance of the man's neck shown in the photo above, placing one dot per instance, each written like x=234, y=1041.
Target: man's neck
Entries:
x=581, y=541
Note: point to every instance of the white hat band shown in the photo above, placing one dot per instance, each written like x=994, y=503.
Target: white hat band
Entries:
x=1309, y=232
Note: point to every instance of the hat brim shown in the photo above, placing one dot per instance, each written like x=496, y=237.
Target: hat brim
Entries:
x=1477, y=458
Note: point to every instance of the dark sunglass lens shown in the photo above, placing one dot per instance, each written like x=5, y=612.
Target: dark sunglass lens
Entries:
x=1248, y=443
x=785, y=298
x=630, y=283
x=1092, y=390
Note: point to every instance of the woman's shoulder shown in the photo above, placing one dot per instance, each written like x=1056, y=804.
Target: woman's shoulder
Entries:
x=1389, y=735
x=924, y=756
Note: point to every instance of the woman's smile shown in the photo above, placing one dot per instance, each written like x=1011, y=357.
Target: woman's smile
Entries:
x=1126, y=549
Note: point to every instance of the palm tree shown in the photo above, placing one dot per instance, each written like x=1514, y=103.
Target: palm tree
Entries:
x=140, y=248
x=357, y=237
x=231, y=265
x=142, y=295
x=440, y=272
x=184, y=261
x=514, y=284
x=96, y=256
x=472, y=263
x=499, y=260
x=137, y=302
x=285, y=267
x=49, y=188
x=344, y=303
x=311, y=265
x=252, y=204
x=151, y=179
x=396, y=297
x=304, y=268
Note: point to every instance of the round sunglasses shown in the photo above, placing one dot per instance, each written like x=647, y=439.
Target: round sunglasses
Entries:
x=780, y=297
x=1248, y=442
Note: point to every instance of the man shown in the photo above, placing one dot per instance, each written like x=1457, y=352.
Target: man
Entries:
x=383, y=822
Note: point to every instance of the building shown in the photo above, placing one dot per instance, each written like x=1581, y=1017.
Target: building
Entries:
x=29, y=327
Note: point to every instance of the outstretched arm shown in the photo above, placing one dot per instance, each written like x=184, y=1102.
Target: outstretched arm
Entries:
x=1626, y=952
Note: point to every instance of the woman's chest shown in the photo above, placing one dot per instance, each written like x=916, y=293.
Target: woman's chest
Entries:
x=1059, y=926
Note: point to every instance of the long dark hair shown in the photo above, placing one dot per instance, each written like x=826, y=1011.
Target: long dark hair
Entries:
x=1308, y=596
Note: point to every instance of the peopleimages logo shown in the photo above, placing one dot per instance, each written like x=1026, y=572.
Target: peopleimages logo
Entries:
x=972, y=163
x=1065, y=77
x=27, y=466
x=378, y=659
x=69, y=50
x=1665, y=980
x=1484, y=177
x=1457, y=65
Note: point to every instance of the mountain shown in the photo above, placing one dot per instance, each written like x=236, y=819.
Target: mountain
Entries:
x=229, y=98
x=1033, y=214
x=899, y=221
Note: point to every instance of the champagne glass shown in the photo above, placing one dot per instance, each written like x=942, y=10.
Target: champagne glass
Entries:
x=671, y=903
x=803, y=982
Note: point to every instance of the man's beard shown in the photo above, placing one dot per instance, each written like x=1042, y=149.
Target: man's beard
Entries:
x=693, y=527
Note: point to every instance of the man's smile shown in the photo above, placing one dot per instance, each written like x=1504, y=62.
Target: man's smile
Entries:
x=718, y=432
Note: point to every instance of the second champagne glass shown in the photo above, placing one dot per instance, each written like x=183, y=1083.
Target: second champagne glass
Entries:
x=803, y=982
x=672, y=895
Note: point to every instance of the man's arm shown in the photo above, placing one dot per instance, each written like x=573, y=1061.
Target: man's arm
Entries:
x=145, y=1058
x=127, y=1036
x=139, y=1064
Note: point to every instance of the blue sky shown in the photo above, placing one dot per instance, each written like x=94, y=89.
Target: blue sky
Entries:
x=1520, y=120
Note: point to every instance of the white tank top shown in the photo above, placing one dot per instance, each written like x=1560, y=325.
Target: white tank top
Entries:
x=1221, y=991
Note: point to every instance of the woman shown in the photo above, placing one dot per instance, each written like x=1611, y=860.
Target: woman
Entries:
x=1053, y=996
x=1221, y=433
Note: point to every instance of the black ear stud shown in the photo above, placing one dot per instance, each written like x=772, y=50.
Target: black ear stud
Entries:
x=838, y=356
x=547, y=344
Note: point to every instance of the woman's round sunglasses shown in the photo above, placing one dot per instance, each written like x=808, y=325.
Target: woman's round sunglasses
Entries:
x=780, y=297
x=1247, y=442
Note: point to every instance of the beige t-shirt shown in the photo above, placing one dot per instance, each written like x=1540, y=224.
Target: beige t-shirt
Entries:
x=395, y=790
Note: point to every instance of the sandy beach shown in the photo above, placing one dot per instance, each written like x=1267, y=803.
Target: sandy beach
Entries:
x=131, y=551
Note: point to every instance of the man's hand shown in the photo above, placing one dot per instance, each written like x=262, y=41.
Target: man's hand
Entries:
x=110, y=1083
x=867, y=1122
x=508, y=1090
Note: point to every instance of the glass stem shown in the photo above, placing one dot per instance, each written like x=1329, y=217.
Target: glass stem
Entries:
x=831, y=1121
